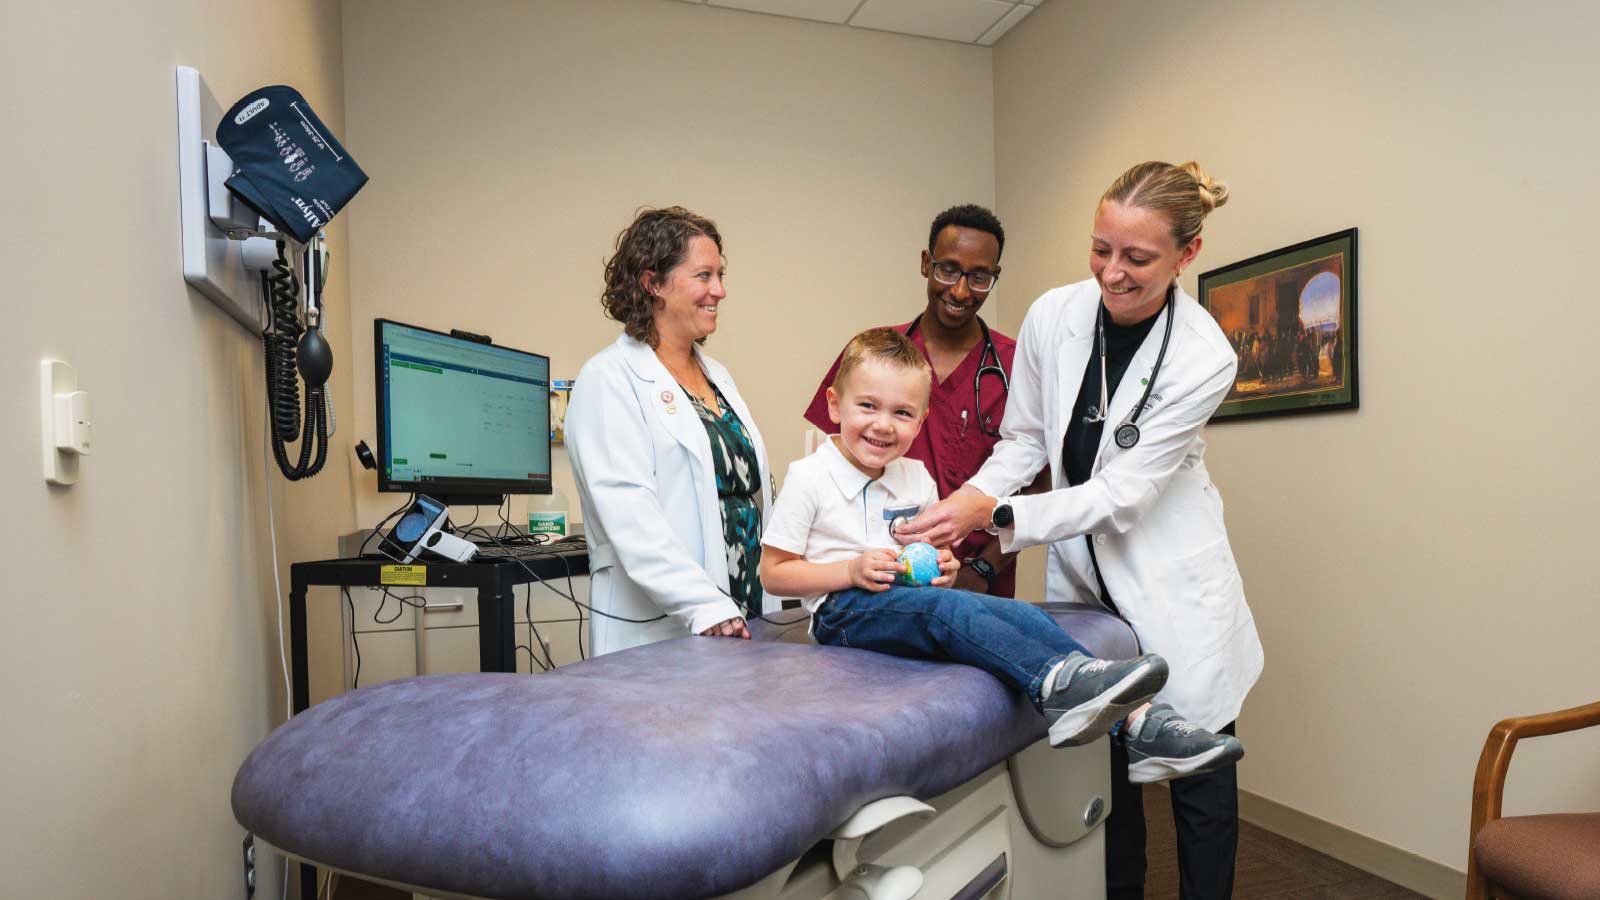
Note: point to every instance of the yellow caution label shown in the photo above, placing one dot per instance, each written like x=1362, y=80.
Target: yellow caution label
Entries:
x=403, y=575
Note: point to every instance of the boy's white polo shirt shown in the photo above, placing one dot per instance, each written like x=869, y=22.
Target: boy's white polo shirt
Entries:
x=829, y=511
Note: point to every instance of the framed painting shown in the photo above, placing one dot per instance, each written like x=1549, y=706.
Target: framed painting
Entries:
x=1291, y=317
x=560, y=393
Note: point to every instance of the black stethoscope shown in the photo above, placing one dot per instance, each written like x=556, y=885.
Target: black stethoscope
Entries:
x=1127, y=434
x=984, y=368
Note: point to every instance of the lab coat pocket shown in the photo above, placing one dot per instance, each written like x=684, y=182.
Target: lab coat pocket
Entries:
x=1205, y=595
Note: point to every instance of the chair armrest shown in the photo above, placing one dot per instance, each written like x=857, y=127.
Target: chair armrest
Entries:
x=1489, y=784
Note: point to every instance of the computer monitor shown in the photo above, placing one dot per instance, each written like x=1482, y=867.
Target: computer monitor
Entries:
x=459, y=420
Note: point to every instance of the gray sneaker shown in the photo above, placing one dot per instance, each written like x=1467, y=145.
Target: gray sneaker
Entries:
x=1087, y=695
x=1165, y=746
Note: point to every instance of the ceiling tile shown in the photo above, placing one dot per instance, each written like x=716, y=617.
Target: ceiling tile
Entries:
x=836, y=11
x=950, y=20
x=1004, y=25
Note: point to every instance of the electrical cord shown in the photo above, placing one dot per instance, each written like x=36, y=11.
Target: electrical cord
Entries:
x=503, y=513
x=533, y=541
x=567, y=564
x=377, y=614
x=376, y=531
x=354, y=644
x=377, y=617
x=541, y=548
x=529, y=541
x=346, y=591
x=533, y=657
x=277, y=584
x=280, y=343
x=517, y=544
x=533, y=630
x=570, y=595
x=277, y=593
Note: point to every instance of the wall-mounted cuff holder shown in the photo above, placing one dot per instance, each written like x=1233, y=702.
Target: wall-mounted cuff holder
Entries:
x=226, y=245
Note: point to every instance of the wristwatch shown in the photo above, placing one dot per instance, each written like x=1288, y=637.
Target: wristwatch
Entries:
x=982, y=567
x=1002, y=516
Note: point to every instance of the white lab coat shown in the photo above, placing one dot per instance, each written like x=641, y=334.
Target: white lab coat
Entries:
x=651, y=515
x=1155, y=516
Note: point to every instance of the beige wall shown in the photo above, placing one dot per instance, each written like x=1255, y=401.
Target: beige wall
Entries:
x=1418, y=568
x=1422, y=567
x=139, y=654
x=509, y=142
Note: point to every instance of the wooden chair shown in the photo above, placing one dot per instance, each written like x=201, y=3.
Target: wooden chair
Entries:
x=1543, y=857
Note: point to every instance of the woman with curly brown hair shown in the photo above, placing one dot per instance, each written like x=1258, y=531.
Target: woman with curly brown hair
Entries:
x=671, y=470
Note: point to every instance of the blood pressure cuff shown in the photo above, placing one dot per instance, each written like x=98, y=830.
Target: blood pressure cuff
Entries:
x=287, y=165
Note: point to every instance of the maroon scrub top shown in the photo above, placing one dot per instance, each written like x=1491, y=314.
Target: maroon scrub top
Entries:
x=951, y=450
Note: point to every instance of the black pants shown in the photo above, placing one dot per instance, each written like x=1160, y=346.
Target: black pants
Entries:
x=1205, y=811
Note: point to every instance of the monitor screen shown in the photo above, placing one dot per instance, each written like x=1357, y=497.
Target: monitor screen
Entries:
x=457, y=417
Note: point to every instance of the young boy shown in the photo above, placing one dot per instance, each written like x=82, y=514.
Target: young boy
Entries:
x=827, y=540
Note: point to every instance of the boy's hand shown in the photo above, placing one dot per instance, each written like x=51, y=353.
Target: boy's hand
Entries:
x=948, y=567
x=875, y=570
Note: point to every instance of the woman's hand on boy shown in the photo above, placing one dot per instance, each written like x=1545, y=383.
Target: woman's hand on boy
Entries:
x=874, y=570
x=948, y=522
x=949, y=566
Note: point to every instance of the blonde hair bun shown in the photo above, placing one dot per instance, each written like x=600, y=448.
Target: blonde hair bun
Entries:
x=1213, y=193
x=1184, y=194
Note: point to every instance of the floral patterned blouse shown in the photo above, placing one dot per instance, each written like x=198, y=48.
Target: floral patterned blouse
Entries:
x=733, y=456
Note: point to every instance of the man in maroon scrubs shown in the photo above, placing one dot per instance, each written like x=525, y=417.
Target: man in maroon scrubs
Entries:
x=971, y=371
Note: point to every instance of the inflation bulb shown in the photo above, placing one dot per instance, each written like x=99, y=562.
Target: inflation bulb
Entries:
x=313, y=356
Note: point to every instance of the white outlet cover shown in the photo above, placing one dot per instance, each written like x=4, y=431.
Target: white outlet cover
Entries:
x=55, y=377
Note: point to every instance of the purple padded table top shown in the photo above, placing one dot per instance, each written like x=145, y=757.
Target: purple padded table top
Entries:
x=684, y=769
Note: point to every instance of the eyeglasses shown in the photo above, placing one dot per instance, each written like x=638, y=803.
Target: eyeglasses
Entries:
x=979, y=281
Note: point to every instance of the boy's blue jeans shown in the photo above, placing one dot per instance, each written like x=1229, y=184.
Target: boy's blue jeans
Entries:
x=1015, y=641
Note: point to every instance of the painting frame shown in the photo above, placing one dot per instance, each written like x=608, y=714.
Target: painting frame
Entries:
x=560, y=396
x=1279, y=375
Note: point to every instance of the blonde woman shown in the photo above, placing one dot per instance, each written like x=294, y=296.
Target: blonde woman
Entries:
x=1113, y=380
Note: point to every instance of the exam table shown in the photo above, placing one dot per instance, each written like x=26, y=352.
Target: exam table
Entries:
x=769, y=769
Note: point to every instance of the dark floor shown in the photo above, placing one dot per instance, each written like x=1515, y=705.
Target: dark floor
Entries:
x=1269, y=868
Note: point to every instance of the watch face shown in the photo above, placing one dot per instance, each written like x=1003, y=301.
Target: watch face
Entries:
x=1002, y=516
